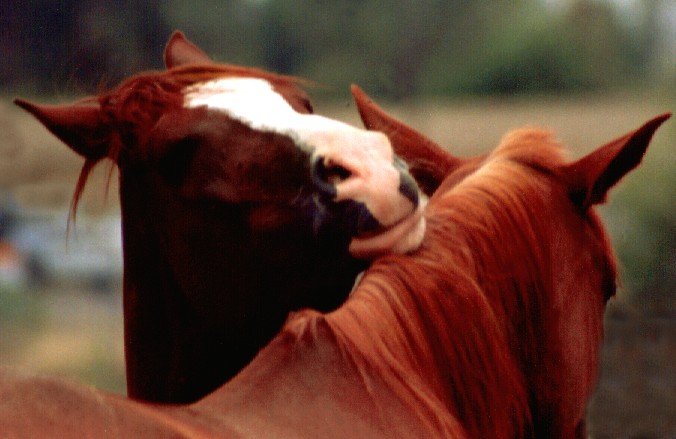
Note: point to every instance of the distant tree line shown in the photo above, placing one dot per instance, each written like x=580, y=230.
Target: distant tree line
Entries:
x=395, y=48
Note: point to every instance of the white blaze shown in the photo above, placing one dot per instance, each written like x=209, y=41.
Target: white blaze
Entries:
x=255, y=103
x=251, y=101
x=367, y=155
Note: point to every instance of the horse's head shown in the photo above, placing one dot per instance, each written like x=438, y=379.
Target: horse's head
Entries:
x=250, y=137
x=230, y=136
x=238, y=204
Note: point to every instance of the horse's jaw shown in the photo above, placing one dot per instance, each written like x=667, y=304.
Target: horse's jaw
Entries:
x=403, y=237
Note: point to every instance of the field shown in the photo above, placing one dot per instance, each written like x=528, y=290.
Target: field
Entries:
x=67, y=330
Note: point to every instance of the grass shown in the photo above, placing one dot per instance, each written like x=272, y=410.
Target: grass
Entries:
x=71, y=333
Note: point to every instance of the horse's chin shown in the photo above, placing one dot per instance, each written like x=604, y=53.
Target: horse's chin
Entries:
x=403, y=237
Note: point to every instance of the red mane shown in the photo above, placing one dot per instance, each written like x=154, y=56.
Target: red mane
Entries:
x=452, y=302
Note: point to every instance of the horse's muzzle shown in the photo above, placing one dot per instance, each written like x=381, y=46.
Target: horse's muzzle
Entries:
x=351, y=214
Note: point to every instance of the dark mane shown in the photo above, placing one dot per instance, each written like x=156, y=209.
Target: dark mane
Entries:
x=130, y=110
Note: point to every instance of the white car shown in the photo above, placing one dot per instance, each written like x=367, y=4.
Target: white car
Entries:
x=91, y=254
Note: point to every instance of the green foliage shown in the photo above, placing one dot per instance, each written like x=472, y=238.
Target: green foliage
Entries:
x=395, y=49
x=532, y=56
x=526, y=50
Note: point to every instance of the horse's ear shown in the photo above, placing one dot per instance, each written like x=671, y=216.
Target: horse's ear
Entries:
x=180, y=51
x=79, y=126
x=429, y=163
x=590, y=177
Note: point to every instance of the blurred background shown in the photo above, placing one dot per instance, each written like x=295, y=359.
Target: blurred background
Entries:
x=463, y=72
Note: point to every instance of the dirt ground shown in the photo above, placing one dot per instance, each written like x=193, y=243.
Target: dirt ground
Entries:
x=79, y=333
x=636, y=393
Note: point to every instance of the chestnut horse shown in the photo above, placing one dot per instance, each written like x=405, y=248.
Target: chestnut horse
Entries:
x=238, y=206
x=491, y=328
x=559, y=357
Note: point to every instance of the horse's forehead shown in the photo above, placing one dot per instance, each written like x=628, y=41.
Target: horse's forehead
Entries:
x=255, y=103
x=252, y=101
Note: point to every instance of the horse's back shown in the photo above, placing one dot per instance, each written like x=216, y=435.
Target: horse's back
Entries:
x=52, y=407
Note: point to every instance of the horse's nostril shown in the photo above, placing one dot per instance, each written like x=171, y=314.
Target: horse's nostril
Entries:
x=336, y=173
x=326, y=174
x=331, y=172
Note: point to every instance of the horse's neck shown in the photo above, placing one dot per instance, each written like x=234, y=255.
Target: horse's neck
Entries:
x=151, y=303
x=410, y=350
x=436, y=338
x=203, y=294
x=526, y=253
x=303, y=385
x=174, y=350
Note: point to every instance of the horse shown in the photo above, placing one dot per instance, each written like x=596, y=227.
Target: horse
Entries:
x=490, y=328
x=238, y=205
x=555, y=412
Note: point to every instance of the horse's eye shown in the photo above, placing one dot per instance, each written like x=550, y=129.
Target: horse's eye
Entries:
x=174, y=165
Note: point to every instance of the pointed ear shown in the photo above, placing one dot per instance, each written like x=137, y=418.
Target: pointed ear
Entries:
x=590, y=177
x=79, y=126
x=179, y=51
x=429, y=163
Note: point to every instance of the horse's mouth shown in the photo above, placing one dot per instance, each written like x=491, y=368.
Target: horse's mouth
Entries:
x=402, y=237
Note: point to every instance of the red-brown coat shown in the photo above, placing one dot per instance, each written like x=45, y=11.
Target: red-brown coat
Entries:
x=490, y=329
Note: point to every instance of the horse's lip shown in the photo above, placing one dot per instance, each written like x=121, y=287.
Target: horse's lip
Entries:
x=416, y=211
x=404, y=236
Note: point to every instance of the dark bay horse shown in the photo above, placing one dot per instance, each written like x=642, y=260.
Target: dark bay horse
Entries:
x=491, y=328
x=238, y=206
